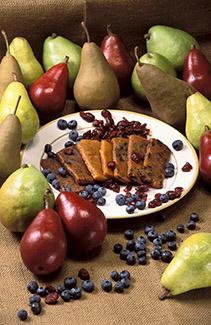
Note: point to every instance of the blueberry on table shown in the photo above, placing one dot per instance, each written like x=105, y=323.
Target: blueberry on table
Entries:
x=66, y=295
x=130, y=245
x=129, y=234
x=177, y=145
x=166, y=256
x=170, y=235
x=141, y=239
x=124, y=253
x=139, y=246
x=181, y=228
x=157, y=241
x=60, y=288
x=155, y=254
x=131, y=260
x=126, y=283
x=42, y=292
x=73, y=135
x=124, y=274
x=194, y=217
x=88, y=285
x=22, y=314
x=148, y=228
x=141, y=253
x=76, y=293
x=32, y=286
x=172, y=245
x=115, y=275
x=70, y=282
x=117, y=248
x=142, y=260
x=119, y=287
x=106, y=285
x=62, y=124
x=47, y=148
x=152, y=235
x=158, y=247
x=34, y=298
x=163, y=238
x=191, y=225
x=72, y=124
x=36, y=308
x=101, y=201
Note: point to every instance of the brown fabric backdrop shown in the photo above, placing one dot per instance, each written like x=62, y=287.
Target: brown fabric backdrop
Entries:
x=35, y=20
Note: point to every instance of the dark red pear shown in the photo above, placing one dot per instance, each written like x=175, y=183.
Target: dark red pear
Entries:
x=197, y=71
x=48, y=93
x=43, y=246
x=119, y=59
x=85, y=223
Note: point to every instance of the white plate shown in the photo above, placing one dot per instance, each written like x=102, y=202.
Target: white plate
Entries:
x=33, y=153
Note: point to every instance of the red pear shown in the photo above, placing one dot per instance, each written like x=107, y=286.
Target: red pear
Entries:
x=48, y=93
x=119, y=59
x=197, y=71
x=43, y=246
x=85, y=223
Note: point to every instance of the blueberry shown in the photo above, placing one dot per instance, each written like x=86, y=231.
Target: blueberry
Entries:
x=51, y=177
x=170, y=235
x=115, y=275
x=102, y=190
x=177, y=145
x=166, y=256
x=90, y=189
x=169, y=172
x=124, y=274
x=131, y=260
x=148, y=228
x=101, y=201
x=96, y=195
x=120, y=199
x=32, y=286
x=66, y=295
x=128, y=200
x=141, y=239
x=73, y=135
x=72, y=124
x=157, y=241
x=142, y=260
x=194, y=217
x=22, y=314
x=96, y=187
x=124, y=253
x=158, y=247
x=169, y=165
x=62, y=124
x=163, y=238
x=139, y=246
x=117, y=248
x=129, y=234
x=34, y=298
x=55, y=183
x=62, y=171
x=141, y=253
x=47, y=148
x=119, y=287
x=84, y=194
x=76, y=293
x=130, y=209
x=68, y=144
x=126, y=283
x=60, y=288
x=42, y=292
x=155, y=254
x=172, y=245
x=130, y=245
x=88, y=285
x=70, y=282
x=181, y=228
x=135, y=197
x=106, y=285
x=191, y=225
x=36, y=308
x=140, y=205
x=152, y=235
x=164, y=198
x=46, y=171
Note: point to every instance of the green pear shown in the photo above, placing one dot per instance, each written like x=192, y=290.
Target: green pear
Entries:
x=56, y=48
x=26, y=112
x=170, y=42
x=190, y=268
x=154, y=59
x=31, y=69
x=96, y=85
x=22, y=197
x=10, y=145
x=198, y=115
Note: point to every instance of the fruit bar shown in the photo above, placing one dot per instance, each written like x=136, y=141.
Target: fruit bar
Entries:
x=137, y=147
x=90, y=152
x=71, y=159
x=106, y=158
x=120, y=148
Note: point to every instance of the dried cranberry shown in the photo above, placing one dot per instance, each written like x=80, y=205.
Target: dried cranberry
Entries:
x=128, y=188
x=88, y=117
x=107, y=116
x=50, y=288
x=98, y=123
x=157, y=196
x=187, y=167
x=52, y=298
x=171, y=195
x=111, y=165
x=83, y=274
x=179, y=189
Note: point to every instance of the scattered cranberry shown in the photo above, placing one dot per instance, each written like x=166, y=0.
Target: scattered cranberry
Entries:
x=50, y=288
x=52, y=298
x=157, y=196
x=88, y=117
x=128, y=188
x=83, y=274
x=111, y=165
x=187, y=167
x=112, y=185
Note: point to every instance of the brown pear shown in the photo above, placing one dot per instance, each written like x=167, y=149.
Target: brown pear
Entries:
x=10, y=145
x=166, y=94
x=8, y=67
x=96, y=85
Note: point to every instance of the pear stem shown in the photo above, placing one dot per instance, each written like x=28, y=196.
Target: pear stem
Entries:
x=24, y=166
x=47, y=198
x=66, y=59
x=14, y=76
x=109, y=29
x=206, y=128
x=147, y=36
x=54, y=35
x=6, y=40
x=166, y=294
x=86, y=31
x=193, y=46
x=136, y=54
x=16, y=106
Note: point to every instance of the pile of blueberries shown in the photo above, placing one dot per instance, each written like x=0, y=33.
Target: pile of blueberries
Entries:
x=71, y=125
x=136, y=250
x=94, y=192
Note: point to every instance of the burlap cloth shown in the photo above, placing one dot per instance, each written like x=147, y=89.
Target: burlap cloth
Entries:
x=139, y=305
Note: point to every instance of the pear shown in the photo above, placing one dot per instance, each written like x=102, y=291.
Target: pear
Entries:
x=170, y=42
x=96, y=85
x=149, y=58
x=21, y=198
x=10, y=145
x=198, y=111
x=190, y=268
x=26, y=112
x=55, y=48
x=31, y=69
x=166, y=94
x=8, y=66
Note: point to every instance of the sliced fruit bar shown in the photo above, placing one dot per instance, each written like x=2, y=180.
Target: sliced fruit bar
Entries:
x=137, y=146
x=68, y=181
x=90, y=152
x=71, y=159
x=120, y=148
x=106, y=158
